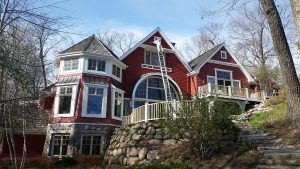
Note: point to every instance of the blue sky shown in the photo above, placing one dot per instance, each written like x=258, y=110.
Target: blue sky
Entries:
x=179, y=19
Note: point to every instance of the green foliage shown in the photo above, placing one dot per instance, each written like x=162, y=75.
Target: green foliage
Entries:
x=158, y=166
x=207, y=126
x=270, y=119
x=274, y=100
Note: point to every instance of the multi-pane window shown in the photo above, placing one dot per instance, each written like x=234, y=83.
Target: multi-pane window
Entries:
x=97, y=65
x=223, y=54
x=211, y=80
x=65, y=97
x=152, y=90
x=60, y=144
x=118, y=104
x=223, y=75
x=70, y=64
x=236, y=84
x=116, y=71
x=91, y=145
x=95, y=100
x=151, y=58
x=224, y=78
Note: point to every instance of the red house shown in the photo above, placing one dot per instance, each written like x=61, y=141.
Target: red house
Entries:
x=95, y=88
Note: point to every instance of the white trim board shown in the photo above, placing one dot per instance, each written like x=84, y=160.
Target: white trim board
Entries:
x=246, y=73
x=140, y=43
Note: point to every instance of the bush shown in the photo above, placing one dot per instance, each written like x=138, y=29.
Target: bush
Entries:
x=206, y=126
x=66, y=162
x=158, y=166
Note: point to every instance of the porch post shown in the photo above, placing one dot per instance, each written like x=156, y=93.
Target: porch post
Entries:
x=229, y=91
x=146, y=112
x=209, y=88
x=247, y=93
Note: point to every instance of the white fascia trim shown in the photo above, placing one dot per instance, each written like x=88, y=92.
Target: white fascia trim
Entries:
x=154, y=48
x=76, y=54
x=210, y=57
x=246, y=73
x=85, y=101
x=223, y=63
x=73, y=101
x=179, y=56
x=114, y=89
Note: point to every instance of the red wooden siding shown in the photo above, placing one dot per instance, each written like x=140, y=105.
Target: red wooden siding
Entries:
x=34, y=142
x=134, y=71
x=217, y=56
x=209, y=70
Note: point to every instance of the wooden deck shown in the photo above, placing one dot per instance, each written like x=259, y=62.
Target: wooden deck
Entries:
x=229, y=92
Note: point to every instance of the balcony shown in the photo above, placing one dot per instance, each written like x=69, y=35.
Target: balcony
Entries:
x=229, y=92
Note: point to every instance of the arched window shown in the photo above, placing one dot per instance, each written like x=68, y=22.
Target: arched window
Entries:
x=151, y=90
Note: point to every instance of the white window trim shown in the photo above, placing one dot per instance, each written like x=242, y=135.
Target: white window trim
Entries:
x=85, y=101
x=213, y=77
x=73, y=101
x=79, y=68
x=114, y=76
x=114, y=90
x=86, y=65
x=151, y=51
x=52, y=143
x=225, y=54
x=101, y=145
x=237, y=81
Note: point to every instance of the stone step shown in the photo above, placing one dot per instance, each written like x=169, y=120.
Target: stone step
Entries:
x=281, y=155
x=286, y=162
x=276, y=167
x=255, y=137
x=277, y=148
x=266, y=142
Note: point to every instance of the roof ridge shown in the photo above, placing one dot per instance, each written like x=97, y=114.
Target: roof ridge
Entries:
x=93, y=37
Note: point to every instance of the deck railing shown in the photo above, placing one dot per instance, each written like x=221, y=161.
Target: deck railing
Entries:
x=230, y=92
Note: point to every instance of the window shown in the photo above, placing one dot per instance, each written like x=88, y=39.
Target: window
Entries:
x=116, y=71
x=91, y=144
x=151, y=58
x=223, y=78
x=60, y=144
x=95, y=100
x=151, y=90
x=97, y=65
x=118, y=104
x=71, y=64
x=236, y=84
x=223, y=55
x=65, y=97
x=211, y=80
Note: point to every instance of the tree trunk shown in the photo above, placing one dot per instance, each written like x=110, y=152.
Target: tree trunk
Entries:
x=42, y=58
x=286, y=62
x=296, y=11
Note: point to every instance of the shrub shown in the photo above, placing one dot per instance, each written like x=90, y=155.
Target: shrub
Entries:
x=66, y=162
x=158, y=166
x=206, y=126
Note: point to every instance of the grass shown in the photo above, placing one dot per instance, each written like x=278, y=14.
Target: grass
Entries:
x=275, y=117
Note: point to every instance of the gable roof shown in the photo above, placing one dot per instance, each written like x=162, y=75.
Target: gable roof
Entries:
x=177, y=53
x=200, y=61
x=91, y=45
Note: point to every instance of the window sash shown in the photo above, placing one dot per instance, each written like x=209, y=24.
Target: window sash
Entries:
x=91, y=144
x=223, y=75
x=71, y=64
x=116, y=71
x=60, y=144
x=96, y=65
x=118, y=104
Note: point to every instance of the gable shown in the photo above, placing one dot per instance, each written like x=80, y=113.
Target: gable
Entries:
x=228, y=59
x=150, y=41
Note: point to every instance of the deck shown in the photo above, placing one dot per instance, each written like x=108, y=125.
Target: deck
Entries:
x=229, y=92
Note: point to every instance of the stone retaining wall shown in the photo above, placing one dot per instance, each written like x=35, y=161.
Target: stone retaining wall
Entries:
x=139, y=143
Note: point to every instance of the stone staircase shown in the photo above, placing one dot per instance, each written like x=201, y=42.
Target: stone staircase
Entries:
x=274, y=154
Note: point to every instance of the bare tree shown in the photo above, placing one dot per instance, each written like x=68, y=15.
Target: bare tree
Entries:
x=207, y=37
x=118, y=42
x=285, y=60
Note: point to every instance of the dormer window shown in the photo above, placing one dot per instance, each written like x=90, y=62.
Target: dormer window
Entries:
x=71, y=64
x=116, y=71
x=96, y=65
x=151, y=58
x=223, y=55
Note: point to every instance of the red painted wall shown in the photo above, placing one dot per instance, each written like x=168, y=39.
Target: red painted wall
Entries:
x=35, y=144
x=78, y=108
x=163, y=42
x=209, y=70
x=217, y=56
x=134, y=71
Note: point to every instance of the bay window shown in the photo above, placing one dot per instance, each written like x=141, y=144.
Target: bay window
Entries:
x=71, y=64
x=94, y=101
x=117, y=105
x=96, y=65
x=65, y=100
x=116, y=71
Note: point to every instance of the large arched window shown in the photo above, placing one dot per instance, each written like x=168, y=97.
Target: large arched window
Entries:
x=151, y=90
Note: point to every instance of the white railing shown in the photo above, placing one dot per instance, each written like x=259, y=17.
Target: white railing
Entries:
x=230, y=92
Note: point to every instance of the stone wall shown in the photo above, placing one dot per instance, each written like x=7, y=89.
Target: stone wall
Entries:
x=139, y=143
